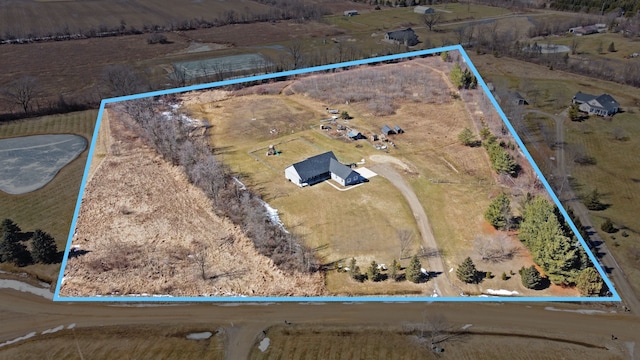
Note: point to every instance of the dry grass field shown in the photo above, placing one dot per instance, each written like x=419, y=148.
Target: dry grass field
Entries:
x=122, y=342
x=326, y=342
x=143, y=228
x=51, y=207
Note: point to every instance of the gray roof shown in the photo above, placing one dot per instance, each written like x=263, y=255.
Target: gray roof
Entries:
x=314, y=166
x=387, y=130
x=342, y=171
x=407, y=35
x=606, y=101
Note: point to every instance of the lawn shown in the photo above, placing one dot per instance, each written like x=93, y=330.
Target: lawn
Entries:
x=51, y=207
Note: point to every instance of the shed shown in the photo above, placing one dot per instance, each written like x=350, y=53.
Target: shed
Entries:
x=355, y=135
x=518, y=99
x=398, y=129
x=351, y=13
x=387, y=130
x=424, y=10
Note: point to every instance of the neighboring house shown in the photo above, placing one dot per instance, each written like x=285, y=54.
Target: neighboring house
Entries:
x=423, y=10
x=406, y=37
x=320, y=168
x=603, y=105
x=351, y=13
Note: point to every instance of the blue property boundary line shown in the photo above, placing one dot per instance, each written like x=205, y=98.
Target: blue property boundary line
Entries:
x=355, y=299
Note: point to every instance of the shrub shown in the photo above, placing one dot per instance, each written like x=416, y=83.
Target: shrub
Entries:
x=531, y=278
x=607, y=226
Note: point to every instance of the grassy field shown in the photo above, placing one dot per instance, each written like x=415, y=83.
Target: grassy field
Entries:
x=51, y=207
x=597, y=45
x=454, y=183
x=123, y=342
x=325, y=342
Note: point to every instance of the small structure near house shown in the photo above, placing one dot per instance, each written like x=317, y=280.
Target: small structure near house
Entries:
x=374, y=137
x=355, y=135
x=405, y=37
x=517, y=99
x=398, y=130
x=387, y=130
x=424, y=10
x=351, y=13
x=333, y=111
x=272, y=151
x=602, y=105
x=319, y=168
x=325, y=127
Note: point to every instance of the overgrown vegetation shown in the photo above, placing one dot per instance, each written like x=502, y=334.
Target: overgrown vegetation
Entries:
x=175, y=140
x=501, y=160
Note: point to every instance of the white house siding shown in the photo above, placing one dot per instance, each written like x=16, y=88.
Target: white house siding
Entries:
x=292, y=175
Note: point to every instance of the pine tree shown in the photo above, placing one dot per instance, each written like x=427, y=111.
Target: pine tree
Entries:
x=498, y=213
x=531, y=278
x=466, y=137
x=456, y=76
x=611, y=48
x=373, y=272
x=589, y=282
x=467, y=271
x=393, y=271
x=413, y=272
x=43, y=247
x=8, y=226
x=13, y=251
x=607, y=226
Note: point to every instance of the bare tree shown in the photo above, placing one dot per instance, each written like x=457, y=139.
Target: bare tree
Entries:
x=121, y=80
x=22, y=92
x=432, y=19
x=179, y=75
x=406, y=240
x=495, y=248
x=296, y=53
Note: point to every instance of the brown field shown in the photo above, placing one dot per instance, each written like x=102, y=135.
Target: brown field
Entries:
x=143, y=228
x=123, y=342
x=327, y=342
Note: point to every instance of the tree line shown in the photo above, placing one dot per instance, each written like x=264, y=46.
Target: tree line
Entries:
x=178, y=144
x=26, y=248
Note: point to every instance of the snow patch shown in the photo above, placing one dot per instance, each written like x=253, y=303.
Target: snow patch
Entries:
x=53, y=330
x=71, y=326
x=579, y=311
x=273, y=216
x=467, y=326
x=200, y=335
x=264, y=344
x=9, y=342
x=501, y=292
x=20, y=286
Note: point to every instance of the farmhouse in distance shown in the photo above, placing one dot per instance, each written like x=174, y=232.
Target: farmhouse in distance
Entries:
x=603, y=105
x=319, y=168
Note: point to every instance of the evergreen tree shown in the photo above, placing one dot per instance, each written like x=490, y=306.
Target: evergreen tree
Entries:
x=531, y=278
x=8, y=226
x=611, y=48
x=607, y=226
x=373, y=272
x=589, y=282
x=574, y=113
x=467, y=272
x=456, y=76
x=499, y=212
x=466, y=137
x=43, y=247
x=393, y=271
x=11, y=250
x=592, y=201
x=413, y=272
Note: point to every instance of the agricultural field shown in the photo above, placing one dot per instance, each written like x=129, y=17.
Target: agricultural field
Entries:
x=412, y=342
x=34, y=210
x=124, y=341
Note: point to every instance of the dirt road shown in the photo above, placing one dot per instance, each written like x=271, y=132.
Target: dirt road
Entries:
x=23, y=313
x=442, y=284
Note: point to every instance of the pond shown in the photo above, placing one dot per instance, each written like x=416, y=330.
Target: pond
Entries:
x=30, y=162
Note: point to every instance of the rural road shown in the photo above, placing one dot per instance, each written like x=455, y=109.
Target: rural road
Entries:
x=569, y=199
x=441, y=282
x=22, y=313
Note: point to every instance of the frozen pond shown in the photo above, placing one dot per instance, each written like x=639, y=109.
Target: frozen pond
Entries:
x=28, y=163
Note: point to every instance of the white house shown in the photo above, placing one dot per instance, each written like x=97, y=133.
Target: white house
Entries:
x=423, y=10
x=320, y=168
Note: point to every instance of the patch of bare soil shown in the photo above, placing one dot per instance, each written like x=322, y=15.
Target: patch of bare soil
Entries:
x=143, y=229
